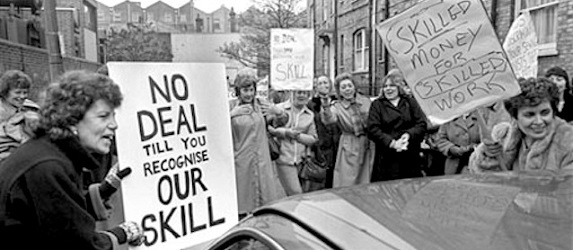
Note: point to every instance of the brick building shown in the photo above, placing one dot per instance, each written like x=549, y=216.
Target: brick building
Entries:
x=347, y=41
x=23, y=45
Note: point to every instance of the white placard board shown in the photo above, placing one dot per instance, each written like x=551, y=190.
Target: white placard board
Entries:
x=175, y=134
x=521, y=46
x=450, y=56
x=292, y=59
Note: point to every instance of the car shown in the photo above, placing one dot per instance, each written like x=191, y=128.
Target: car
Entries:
x=481, y=211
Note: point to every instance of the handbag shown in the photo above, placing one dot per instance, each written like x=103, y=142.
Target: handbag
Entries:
x=274, y=147
x=312, y=169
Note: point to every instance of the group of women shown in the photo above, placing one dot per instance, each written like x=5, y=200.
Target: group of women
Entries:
x=381, y=139
x=43, y=203
x=386, y=132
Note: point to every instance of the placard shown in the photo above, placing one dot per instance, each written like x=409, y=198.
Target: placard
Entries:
x=521, y=46
x=175, y=134
x=450, y=57
x=292, y=59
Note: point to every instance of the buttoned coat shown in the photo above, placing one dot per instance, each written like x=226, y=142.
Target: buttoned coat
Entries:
x=460, y=132
x=387, y=122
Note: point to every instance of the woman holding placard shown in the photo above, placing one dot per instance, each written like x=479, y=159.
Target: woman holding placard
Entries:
x=257, y=181
x=43, y=204
x=355, y=151
x=397, y=125
x=535, y=140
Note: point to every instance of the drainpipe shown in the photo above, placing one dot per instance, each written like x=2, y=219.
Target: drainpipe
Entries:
x=335, y=38
x=53, y=40
x=373, y=60
x=386, y=56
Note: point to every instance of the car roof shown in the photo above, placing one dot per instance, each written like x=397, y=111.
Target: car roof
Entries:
x=486, y=211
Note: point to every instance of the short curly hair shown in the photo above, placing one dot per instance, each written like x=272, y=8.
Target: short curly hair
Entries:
x=67, y=101
x=13, y=79
x=342, y=77
x=534, y=91
x=244, y=81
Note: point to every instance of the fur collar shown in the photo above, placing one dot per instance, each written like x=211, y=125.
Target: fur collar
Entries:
x=536, y=156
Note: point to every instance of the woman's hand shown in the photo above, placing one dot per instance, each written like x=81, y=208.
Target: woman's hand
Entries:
x=492, y=148
x=135, y=236
x=405, y=137
x=399, y=145
x=269, y=109
x=459, y=151
x=112, y=181
x=292, y=134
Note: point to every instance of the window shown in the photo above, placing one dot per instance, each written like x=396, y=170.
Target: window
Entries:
x=117, y=16
x=183, y=18
x=324, y=10
x=360, y=50
x=167, y=18
x=135, y=17
x=248, y=244
x=544, y=15
x=216, y=24
x=150, y=16
x=90, y=20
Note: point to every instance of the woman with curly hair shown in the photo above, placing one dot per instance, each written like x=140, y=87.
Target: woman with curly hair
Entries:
x=535, y=140
x=42, y=200
x=14, y=88
x=355, y=154
x=257, y=180
x=18, y=115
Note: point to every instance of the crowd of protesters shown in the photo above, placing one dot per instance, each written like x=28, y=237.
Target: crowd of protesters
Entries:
x=357, y=139
x=388, y=137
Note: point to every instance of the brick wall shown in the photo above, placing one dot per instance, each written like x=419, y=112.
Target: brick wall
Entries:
x=34, y=62
x=354, y=15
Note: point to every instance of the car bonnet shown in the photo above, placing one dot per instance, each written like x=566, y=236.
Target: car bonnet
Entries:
x=462, y=212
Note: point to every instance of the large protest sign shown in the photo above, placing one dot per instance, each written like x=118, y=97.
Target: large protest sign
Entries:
x=521, y=46
x=292, y=59
x=174, y=132
x=450, y=57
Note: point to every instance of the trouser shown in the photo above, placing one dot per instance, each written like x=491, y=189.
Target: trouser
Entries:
x=288, y=175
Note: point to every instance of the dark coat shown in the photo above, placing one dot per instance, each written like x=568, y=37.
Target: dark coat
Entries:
x=328, y=134
x=567, y=111
x=328, y=137
x=43, y=203
x=387, y=122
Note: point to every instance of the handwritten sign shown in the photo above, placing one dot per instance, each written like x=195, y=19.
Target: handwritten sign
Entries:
x=292, y=59
x=521, y=46
x=450, y=57
x=174, y=132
